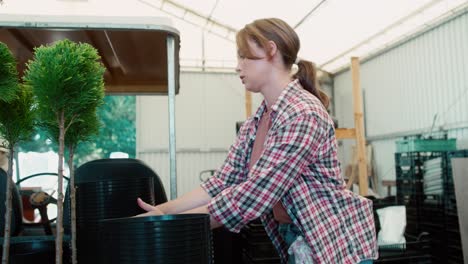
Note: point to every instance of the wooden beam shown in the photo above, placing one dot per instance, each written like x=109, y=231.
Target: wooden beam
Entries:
x=93, y=42
x=359, y=127
x=21, y=38
x=114, y=52
x=345, y=133
x=389, y=185
x=129, y=89
x=352, y=177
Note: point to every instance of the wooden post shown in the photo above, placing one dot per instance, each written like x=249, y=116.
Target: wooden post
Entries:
x=359, y=127
x=248, y=104
x=352, y=177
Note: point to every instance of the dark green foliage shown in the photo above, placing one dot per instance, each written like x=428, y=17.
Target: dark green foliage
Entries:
x=117, y=133
x=68, y=83
x=8, y=75
x=68, y=77
x=17, y=117
x=40, y=141
x=83, y=129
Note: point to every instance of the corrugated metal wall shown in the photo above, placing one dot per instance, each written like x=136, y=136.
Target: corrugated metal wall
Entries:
x=207, y=109
x=189, y=165
x=405, y=87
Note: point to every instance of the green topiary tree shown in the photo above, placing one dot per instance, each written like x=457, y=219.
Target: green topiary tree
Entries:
x=16, y=125
x=117, y=133
x=82, y=130
x=8, y=75
x=67, y=80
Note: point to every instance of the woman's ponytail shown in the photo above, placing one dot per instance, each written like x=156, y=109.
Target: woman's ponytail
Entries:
x=307, y=76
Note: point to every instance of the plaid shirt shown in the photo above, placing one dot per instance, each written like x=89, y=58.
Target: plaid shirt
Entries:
x=300, y=168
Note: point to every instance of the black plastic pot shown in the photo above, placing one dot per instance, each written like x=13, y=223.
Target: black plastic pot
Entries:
x=184, y=238
x=105, y=189
x=16, y=213
x=35, y=249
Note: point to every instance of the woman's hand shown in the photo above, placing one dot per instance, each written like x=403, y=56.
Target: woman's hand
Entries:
x=150, y=210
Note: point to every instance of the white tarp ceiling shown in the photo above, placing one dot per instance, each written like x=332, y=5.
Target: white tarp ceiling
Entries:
x=331, y=31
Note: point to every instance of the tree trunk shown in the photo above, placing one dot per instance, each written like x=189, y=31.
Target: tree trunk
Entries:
x=16, y=157
x=71, y=185
x=8, y=209
x=59, y=232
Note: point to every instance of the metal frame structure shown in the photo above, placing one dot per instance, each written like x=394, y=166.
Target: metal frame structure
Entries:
x=56, y=27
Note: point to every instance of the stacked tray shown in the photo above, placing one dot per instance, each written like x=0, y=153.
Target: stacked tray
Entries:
x=433, y=177
x=107, y=189
x=102, y=200
x=35, y=249
x=184, y=238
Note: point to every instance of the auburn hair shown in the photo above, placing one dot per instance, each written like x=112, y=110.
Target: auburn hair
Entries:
x=262, y=31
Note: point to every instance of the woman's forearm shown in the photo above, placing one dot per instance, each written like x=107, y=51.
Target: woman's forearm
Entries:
x=194, y=199
x=204, y=210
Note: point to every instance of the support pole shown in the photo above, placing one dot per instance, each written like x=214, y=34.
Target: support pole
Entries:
x=171, y=97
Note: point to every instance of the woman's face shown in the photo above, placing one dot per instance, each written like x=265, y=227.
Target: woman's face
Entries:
x=254, y=72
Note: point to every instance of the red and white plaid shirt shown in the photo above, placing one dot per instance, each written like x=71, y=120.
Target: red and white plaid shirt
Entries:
x=299, y=167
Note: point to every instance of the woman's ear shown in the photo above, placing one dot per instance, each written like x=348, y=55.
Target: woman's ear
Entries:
x=272, y=48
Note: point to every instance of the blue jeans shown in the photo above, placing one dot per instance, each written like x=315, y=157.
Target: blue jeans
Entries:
x=290, y=232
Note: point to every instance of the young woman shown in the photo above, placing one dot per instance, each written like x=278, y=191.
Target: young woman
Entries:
x=283, y=166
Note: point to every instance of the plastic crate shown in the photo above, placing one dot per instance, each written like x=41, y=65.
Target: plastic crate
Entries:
x=409, y=187
x=407, y=160
x=404, y=173
x=263, y=250
x=434, y=208
x=254, y=236
x=461, y=153
x=256, y=243
x=227, y=246
x=455, y=253
x=433, y=216
x=451, y=205
x=416, y=250
x=426, y=145
x=439, y=250
x=451, y=223
x=454, y=242
x=437, y=232
x=246, y=259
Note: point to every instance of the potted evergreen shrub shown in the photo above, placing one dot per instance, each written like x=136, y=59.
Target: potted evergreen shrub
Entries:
x=67, y=80
x=16, y=125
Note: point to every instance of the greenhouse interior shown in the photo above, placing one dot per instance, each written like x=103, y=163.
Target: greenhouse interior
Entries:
x=237, y=132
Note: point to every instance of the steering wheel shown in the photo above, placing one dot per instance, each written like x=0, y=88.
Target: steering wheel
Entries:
x=40, y=200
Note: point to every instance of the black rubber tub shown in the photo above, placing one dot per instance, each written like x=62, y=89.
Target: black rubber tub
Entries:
x=184, y=238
